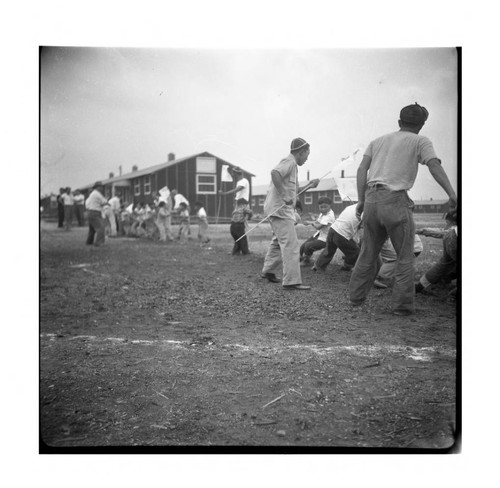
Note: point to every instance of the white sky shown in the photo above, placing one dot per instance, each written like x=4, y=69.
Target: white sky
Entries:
x=106, y=107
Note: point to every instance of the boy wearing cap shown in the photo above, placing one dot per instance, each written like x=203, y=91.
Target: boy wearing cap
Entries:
x=386, y=173
x=279, y=207
x=239, y=217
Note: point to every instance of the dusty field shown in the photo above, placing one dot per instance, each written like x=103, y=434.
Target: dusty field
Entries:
x=185, y=348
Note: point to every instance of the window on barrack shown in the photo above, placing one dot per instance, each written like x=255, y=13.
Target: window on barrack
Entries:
x=147, y=185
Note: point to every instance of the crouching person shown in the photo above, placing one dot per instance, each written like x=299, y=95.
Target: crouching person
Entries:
x=446, y=268
x=388, y=260
x=341, y=235
x=322, y=225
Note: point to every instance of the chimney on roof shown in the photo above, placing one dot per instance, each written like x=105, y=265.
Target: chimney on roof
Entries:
x=307, y=175
x=111, y=175
x=120, y=170
x=342, y=174
x=171, y=156
x=135, y=167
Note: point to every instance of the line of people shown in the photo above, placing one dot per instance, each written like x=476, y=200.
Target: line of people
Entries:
x=113, y=218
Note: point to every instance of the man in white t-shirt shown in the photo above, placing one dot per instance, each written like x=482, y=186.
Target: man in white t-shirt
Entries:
x=178, y=198
x=242, y=188
x=94, y=205
x=342, y=235
x=115, y=204
x=67, y=199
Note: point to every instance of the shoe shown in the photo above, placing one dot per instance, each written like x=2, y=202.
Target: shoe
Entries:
x=296, y=287
x=346, y=268
x=357, y=303
x=419, y=288
x=403, y=313
x=270, y=277
x=379, y=284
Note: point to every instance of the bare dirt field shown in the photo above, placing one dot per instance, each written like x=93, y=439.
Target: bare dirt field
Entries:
x=184, y=348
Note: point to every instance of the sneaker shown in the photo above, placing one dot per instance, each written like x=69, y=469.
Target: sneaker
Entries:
x=357, y=303
x=379, y=284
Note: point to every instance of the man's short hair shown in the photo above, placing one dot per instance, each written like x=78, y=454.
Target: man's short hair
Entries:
x=323, y=200
x=242, y=201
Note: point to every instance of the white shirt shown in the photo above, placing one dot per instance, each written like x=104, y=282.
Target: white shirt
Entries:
x=115, y=203
x=201, y=213
x=95, y=201
x=79, y=199
x=388, y=253
x=178, y=199
x=326, y=220
x=347, y=224
x=67, y=199
x=245, y=191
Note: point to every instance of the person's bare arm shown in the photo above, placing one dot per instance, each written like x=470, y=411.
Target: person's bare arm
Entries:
x=234, y=190
x=361, y=178
x=439, y=174
x=310, y=184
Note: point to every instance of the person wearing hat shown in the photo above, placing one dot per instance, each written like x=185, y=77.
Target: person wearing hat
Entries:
x=94, y=205
x=242, y=188
x=386, y=173
x=279, y=207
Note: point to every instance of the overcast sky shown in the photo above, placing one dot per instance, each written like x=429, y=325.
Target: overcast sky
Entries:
x=102, y=108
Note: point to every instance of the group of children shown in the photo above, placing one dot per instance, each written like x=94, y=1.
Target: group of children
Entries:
x=156, y=222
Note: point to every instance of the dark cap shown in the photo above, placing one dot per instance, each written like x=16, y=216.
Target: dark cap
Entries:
x=237, y=170
x=298, y=143
x=97, y=184
x=414, y=114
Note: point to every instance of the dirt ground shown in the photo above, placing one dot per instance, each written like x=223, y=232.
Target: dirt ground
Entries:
x=184, y=348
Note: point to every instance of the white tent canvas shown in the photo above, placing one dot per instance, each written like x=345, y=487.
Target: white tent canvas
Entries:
x=347, y=189
x=344, y=174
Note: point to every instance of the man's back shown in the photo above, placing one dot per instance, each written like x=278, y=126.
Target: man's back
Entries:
x=395, y=158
